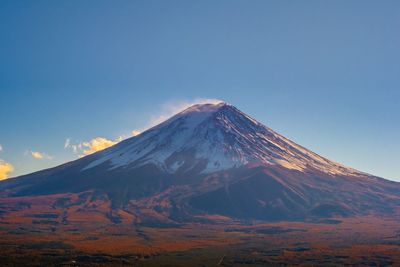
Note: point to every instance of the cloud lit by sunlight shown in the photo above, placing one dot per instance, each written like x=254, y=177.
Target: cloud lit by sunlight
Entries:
x=90, y=147
x=5, y=169
x=39, y=155
x=97, y=144
x=135, y=132
x=36, y=154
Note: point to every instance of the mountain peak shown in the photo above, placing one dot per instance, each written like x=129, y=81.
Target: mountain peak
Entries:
x=210, y=107
x=207, y=105
x=199, y=112
x=212, y=137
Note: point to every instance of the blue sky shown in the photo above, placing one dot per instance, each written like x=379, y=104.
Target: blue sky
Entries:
x=325, y=74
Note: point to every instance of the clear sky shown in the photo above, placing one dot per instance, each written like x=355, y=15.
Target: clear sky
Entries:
x=325, y=74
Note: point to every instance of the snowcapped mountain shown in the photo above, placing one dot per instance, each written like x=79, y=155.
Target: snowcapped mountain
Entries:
x=213, y=137
x=211, y=159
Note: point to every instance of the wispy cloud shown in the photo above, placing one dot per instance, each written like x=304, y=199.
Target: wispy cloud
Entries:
x=171, y=108
x=5, y=169
x=39, y=155
x=67, y=143
x=1, y=148
x=78, y=147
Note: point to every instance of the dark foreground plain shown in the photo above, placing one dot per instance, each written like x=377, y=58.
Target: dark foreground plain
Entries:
x=44, y=234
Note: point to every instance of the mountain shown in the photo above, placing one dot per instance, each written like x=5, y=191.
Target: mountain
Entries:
x=212, y=159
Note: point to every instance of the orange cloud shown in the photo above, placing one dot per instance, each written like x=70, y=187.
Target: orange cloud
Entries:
x=96, y=144
x=135, y=132
x=5, y=169
x=39, y=155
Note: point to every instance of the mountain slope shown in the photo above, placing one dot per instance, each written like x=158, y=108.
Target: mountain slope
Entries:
x=218, y=137
x=214, y=159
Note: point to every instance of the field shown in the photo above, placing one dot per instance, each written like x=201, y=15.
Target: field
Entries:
x=40, y=233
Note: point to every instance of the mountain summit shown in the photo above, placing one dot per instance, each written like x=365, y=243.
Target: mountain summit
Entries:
x=213, y=159
x=213, y=137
